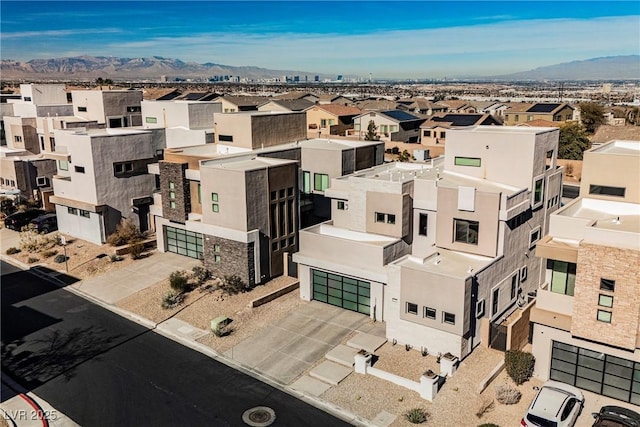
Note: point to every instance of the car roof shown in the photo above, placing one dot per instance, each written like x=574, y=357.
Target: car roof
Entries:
x=548, y=402
x=619, y=415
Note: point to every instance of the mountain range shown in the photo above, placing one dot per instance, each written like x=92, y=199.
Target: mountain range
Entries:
x=92, y=67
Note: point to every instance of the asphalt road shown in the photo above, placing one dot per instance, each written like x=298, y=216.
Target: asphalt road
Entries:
x=103, y=370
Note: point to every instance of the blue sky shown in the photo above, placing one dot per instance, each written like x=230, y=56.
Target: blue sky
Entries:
x=418, y=39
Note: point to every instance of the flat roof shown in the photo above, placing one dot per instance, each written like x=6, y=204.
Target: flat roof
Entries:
x=455, y=180
x=393, y=172
x=629, y=148
x=609, y=215
x=447, y=263
x=355, y=236
x=245, y=163
x=533, y=130
x=107, y=131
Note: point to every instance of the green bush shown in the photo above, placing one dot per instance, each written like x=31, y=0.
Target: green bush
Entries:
x=488, y=425
x=519, y=365
x=59, y=259
x=233, y=285
x=172, y=299
x=416, y=416
x=201, y=274
x=12, y=251
x=178, y=281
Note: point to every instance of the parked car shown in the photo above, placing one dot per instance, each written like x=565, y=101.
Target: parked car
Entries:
x=19, y=219
x=555, y=405
x=616, y=416
x=45, y=223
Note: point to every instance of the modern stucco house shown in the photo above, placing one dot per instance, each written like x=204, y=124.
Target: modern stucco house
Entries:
x=586, y=321
x=439, y=251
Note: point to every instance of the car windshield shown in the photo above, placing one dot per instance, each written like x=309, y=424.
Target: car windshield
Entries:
x=541, y=422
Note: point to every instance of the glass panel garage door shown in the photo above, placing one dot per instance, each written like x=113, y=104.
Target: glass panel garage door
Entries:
x=597, y=372
x=341, y=291
x=183, y=242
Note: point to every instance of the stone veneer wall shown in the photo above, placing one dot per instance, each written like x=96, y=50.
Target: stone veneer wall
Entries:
x=236, y=258
x=596, y=262
x=175, y=172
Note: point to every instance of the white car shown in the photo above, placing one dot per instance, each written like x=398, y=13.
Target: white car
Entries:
x=556, y=405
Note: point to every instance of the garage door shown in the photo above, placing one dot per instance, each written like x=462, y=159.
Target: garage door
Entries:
x=597, y=372
x=183, y=242
x=341, y=291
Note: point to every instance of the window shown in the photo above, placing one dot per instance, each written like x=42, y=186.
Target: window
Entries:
x=82, y=109
x=306, y=182
x=18, y=138
x=466, y=231
x=563, y=276
x=494, y=301
x=225, y=138
x=422, y=224
x=517, y=118
x=118, y=168
x=172, y=204
x=430, y=313
x=320, y=181
x=393, y=128
x=514, y=286
x=216, y=248
x=342, y=205
x=172, y=194
x=534, y=236
x=42, y=143
x=215, y=207
x=529, y=118
x=567, y=409
x=84, y=213
x=443, y=134
x=42, y=181
x=605, y=300
x=538, y=192
x=604, y=316
x=134, y=109
x=549, y=159
x=523, y=274
x=607, y=191
x=427, y=133
x=449, y=318
x=323, y=122
x=468, y=161
x=412, y=308
x=27, y=98
x=151, y=120
x=79, y=169
x=607, y=285
x=384, y=217
x=72, y=211
x=480, y=308
x=332, y=122
x=216, y=259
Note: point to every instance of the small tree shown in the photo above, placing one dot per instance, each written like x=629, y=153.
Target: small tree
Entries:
x=233, y=284
x=371, y=135
x=404, y=156
x=519, y=365
x=178, y=281
x=573, y=141
x=136, y=249
x=591, y=115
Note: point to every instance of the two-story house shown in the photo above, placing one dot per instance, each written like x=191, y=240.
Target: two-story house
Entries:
x=330, y=119
x=550, y=111
x=586, y=322
x=391, y=125
x=109, y=108
x=433, y=132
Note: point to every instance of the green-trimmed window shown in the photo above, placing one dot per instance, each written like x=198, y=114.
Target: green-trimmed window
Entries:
x=563, y=276
x=63, y=165
x=468, y=161
x=320, y=181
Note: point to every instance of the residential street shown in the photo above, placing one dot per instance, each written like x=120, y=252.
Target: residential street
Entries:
x=103, y=370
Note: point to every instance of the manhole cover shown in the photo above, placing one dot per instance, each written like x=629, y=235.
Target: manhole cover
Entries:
x=260, y=416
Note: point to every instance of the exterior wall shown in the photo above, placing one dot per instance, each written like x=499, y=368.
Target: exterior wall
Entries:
x=437, y=135
x=238, y=126
x=362, y=123
x=315, y=116
x=231, y=187
x=102, y=105
x=487, y=206
x=8, y=174
x=179, y=137
x=43, y=94
x=174, y=173
x=90, y=229
x=389, y=204
x=167, y=114
x=92, y=101
x=236, y=258
x=23, y=129
x=273, y=106
x=275, y=129
x=597, y=170
x=359, y=190
x=596, y=262
x=323, y=161
x=516, y=117
x=424, y=245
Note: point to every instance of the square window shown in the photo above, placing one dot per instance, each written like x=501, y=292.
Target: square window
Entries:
x=274, y=246
x=274, y=195
x=172, y=204
x=290, y=191
x=607, y=285
x=84, y=213
x=63, y=165
x=466, y=231
x=215, y=207
x=172, y=194
x=342, y=205
x=534, y=236
x=430, y=313
x=391, y=219
x=172, y=185
x=118, y=168
x=72, y=211
x=379, y=217
x=214, y=197
x=605, y=300
x=449, y=318
x=412, y=308
x=128, y=167
x=604, y=316
x=292, y=241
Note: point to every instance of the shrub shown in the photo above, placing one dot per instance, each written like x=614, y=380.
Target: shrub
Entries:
x=136, y=249
x=49, y=253
x=233, y=285
x=416, y=416
x=172, y=299
x=59, y=259
x=507, y=394
x=519, y=365
x=201, y=274
x=126, y=232
x=32, y=241
x=485, y=406
x=31, y=260
x=178, y=281
x=12, y=251
x=488, y=425
x=115, y=258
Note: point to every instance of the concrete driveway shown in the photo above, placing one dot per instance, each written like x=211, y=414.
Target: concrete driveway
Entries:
x=285, y=350
x=8, y=239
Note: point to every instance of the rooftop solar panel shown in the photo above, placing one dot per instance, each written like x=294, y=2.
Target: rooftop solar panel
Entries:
x=458, y=119
x=169, y=96
x=209, y=97
x=543, y=108
x=399, y=115
x=194, y=96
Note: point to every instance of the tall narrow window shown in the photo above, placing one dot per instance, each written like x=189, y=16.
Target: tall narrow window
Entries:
x=306, y=182
x=422, y=225
x=563, y=276
x=514, y=286
x=538, y=192
x=495, y=301
x=215, y=207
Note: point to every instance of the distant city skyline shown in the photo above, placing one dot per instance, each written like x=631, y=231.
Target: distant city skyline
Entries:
x=387, y=39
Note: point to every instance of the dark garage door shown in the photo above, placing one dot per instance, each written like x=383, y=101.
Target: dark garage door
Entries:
x=597, y=372
x=341, y=291
x=183, y=242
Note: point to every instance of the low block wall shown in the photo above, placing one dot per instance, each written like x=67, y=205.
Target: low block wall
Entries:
x=123, y=250
x=396, y=379
x=273, y=295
